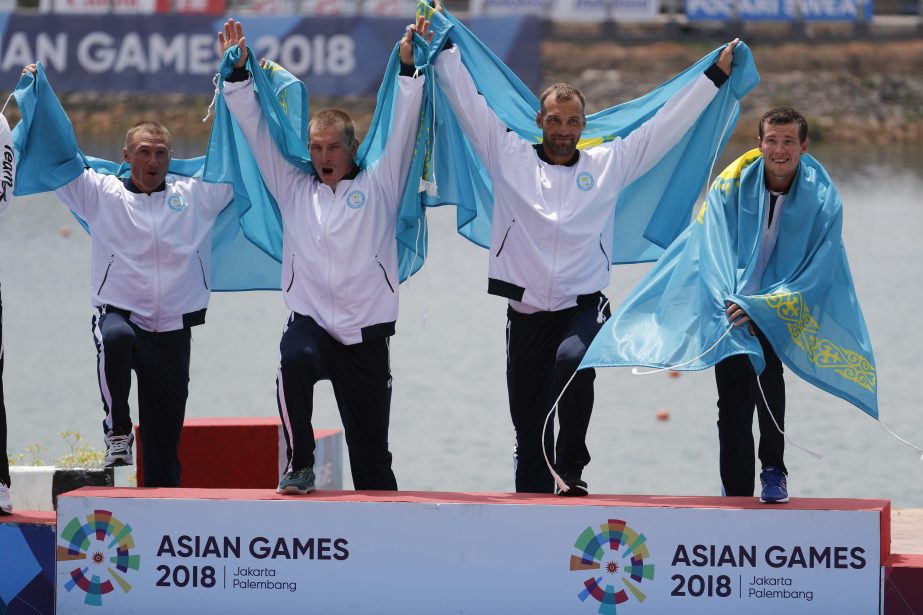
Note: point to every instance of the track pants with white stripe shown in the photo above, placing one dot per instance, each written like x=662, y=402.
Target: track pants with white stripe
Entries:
x=4, y=462
x=543, y=351
x=361, y=378
x=161, y=363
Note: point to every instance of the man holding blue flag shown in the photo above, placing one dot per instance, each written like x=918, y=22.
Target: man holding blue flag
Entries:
x=551, y=247
x=765, y=251
x=783, y=138
x=150, y=242
x=340, y=270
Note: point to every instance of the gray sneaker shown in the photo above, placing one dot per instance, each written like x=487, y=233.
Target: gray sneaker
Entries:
x=118, y=449
x=6, y=502
x=297, y=482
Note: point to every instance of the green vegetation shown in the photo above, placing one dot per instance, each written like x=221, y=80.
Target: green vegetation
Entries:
x=80, y=455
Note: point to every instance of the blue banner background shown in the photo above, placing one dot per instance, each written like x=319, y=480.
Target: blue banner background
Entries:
x=779, y=10
x=334, y=56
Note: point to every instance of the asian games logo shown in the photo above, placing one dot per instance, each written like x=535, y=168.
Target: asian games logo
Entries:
x=101, y=550
x=355, y=199
x=177, y=202
x=585, y=181
x=618, y=574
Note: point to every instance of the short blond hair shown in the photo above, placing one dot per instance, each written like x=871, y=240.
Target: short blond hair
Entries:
x=326, y=119
x=148, y=127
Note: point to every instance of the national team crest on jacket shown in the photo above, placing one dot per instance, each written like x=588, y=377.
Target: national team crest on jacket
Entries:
x=355, y=199
x=177, y=202
x=585, y=181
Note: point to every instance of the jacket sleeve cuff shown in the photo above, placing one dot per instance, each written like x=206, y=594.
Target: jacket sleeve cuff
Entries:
x=407, y=70
x=238, y=74
x=716, y=75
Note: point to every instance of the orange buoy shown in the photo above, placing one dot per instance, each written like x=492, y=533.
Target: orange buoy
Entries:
x=663, y=414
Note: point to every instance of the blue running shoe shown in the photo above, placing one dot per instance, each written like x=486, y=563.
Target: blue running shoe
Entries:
x=775, y=488
x=297, y=482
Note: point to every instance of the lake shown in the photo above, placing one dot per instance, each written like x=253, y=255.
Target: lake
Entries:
x=450, y=426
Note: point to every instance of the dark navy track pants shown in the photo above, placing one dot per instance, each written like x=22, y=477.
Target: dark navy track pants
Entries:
x=738, y=395
x=543, y=351
x=361, y=378
x=161, y=363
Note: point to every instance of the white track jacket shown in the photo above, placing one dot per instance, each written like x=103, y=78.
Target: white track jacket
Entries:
x=7, y=164
x=552, y=224
x=339, y=248
x=150, y=253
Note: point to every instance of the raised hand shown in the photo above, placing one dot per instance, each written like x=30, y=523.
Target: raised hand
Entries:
x=233, y=35
x=727, y=56
x=422, y=28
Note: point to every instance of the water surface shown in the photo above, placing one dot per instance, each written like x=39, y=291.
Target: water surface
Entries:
x=450, y=425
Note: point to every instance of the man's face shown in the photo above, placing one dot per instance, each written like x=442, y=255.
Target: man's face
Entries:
x=148, y=156
x=782, y=150
x=562, y=124
x=331, y=157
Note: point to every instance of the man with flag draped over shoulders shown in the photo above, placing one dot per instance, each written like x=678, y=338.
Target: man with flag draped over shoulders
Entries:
x=765, y=254
x=340, y=270
x=783, y=138
x=553, y=214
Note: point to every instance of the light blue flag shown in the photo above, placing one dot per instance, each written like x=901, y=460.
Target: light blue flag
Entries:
x=651, y=211
x=284, y=102
x=49, y=158
x=809, y=313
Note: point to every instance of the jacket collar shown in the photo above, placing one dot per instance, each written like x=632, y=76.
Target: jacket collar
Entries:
x=544, y=157
x=130, y=186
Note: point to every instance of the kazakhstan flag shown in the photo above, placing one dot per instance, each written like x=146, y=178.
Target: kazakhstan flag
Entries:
x=807, y=306
x=284, y=102
x=650, y=212
x=48, y=158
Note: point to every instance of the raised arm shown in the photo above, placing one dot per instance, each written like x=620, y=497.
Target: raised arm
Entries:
x=80, y=195
x=653, y=139
x=486, y=132
x=391, y=168
x=241, y=100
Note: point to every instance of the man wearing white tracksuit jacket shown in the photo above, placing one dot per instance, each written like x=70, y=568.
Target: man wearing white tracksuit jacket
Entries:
x=553, y=216
x=150, y=266
x=150, y=242
x=339, y=271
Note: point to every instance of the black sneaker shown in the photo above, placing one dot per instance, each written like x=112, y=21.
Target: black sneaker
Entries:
x=297, y=482
x=575, y=487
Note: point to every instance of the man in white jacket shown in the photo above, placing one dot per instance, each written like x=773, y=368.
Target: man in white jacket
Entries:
x=553, y=215
x=150, y=271
x=7, y=176
x=339, y=269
